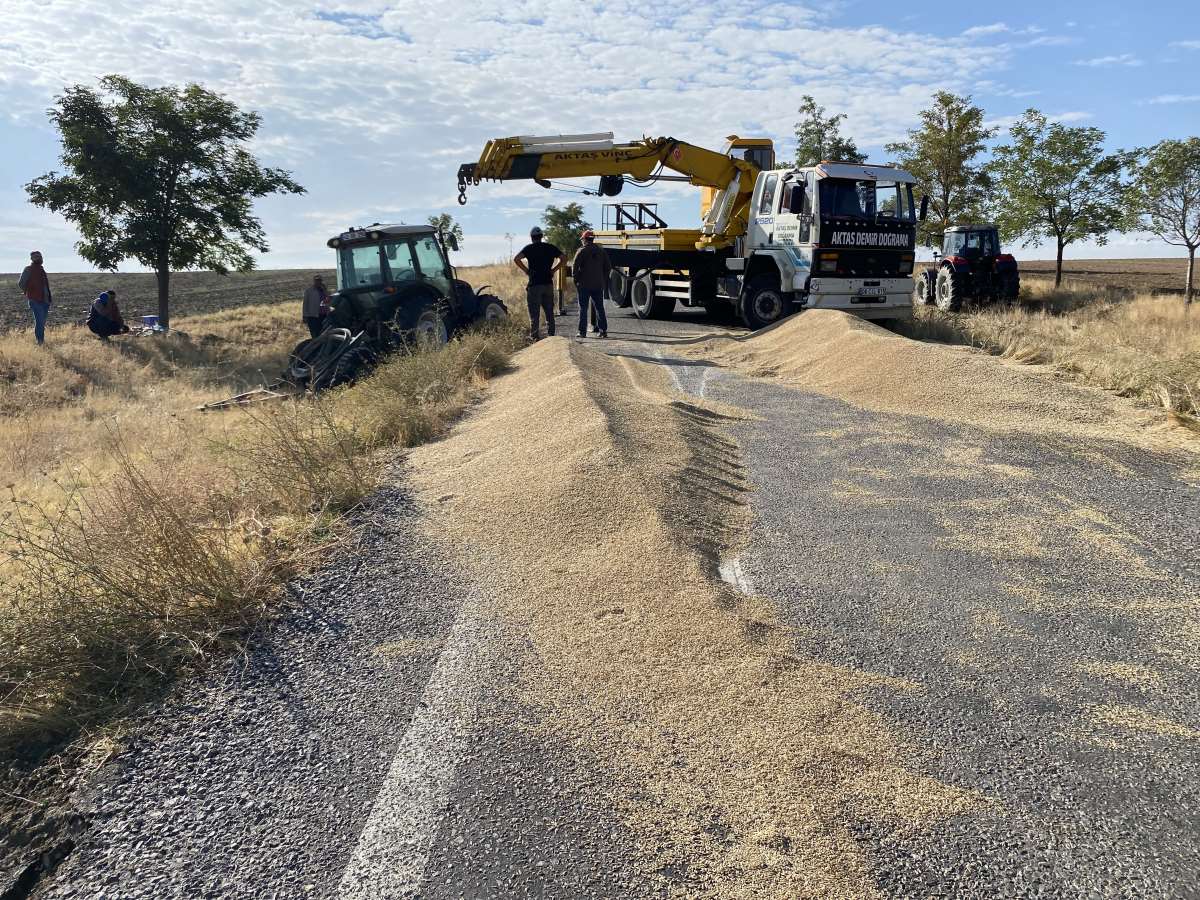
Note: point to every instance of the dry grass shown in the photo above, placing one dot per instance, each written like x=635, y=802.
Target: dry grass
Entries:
x=139, y=536
x=1143, y=347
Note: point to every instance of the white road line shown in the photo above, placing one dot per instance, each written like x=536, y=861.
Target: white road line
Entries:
x=731, y=571
x=393, y=850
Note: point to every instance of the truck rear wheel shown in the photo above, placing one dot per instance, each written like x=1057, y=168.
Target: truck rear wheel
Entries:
x=765, y=303
x=618, y=287
x=646, y=304
x=950, y=290
x=491, y=309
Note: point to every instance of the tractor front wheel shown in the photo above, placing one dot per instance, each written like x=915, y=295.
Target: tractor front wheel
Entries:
x=925, y=288
x=491, y=309
x=950, y=290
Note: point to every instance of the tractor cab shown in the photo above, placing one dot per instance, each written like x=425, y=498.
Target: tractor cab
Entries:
x=971, y=241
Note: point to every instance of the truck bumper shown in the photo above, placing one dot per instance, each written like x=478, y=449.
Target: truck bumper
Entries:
x=844, y=294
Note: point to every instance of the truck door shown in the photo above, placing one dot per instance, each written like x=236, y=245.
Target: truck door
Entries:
x=762, y=212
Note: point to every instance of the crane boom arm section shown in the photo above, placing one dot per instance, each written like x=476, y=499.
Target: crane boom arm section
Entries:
x=576, y=156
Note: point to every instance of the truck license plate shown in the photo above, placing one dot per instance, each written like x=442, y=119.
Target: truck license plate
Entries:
x=870, y=292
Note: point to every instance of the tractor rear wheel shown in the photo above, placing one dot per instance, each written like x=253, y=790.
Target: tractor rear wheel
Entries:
x=1010, y=287
x=950, y=290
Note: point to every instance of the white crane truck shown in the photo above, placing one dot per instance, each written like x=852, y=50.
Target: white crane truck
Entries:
x=771, y=242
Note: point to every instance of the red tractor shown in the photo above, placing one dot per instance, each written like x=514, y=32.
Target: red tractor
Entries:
x=970, y=268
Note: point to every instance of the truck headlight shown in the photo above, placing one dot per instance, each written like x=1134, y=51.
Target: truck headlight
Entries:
x=828, y=262
x=906, y=264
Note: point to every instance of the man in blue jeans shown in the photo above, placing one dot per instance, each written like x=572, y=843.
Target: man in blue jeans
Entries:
x=590, y=270
x=36, y=287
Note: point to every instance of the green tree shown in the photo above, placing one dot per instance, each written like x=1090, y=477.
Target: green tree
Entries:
x=819, y=136
x=1055, y=182
x=1168, y=193
x=444, y=222
x=564, y=226
x=161, y=176
x=941, y=155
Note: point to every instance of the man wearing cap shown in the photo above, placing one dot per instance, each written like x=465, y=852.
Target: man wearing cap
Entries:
x=36, y=287
x=590, y=270
x=315, y=307
x=539, y=261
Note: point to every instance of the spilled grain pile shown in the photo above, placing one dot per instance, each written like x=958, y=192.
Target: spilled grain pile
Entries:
x=842, y=356
x=597, y=505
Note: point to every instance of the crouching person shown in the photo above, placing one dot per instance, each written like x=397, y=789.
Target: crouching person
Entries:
x=104, y=318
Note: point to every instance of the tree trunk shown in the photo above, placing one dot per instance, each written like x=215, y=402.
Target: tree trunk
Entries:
x=164, y=293
x=1188, y=287
x=1058, y=266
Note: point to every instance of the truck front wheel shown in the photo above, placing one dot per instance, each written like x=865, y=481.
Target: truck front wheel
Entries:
x=765, y=303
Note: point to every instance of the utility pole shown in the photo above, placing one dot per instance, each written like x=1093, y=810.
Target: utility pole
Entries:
x=509, y=237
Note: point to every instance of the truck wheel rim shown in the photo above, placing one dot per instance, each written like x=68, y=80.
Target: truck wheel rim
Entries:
x=493, y=312
x=768, y=306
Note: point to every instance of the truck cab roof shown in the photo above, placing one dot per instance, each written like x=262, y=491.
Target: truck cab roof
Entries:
x=980, y=227
x=858, y=172
x=378, y=232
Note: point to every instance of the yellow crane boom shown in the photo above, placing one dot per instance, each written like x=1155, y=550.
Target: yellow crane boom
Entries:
x=730, y=179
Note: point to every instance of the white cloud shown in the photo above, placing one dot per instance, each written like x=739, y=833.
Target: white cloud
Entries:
x=982, y=30
x=1175, y=98
x=1124, y=59
x=374, y=103
x=1186, y=45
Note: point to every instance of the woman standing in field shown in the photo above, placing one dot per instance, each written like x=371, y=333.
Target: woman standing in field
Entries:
x=36, y=287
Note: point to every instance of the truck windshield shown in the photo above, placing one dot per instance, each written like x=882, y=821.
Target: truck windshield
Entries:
x=867, y=199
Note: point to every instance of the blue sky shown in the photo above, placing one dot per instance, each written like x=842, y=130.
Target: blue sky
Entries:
x=373, y=104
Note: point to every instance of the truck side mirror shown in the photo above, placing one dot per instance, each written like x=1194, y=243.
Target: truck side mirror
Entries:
x=796, y=204
x=924, y=207
x=452, y=242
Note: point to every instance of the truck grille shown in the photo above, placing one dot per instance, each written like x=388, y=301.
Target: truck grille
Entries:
x=869, y=263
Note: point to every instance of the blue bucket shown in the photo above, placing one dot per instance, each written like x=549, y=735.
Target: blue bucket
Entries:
x=150, y=321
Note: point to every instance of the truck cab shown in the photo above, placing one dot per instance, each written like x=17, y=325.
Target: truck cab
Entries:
x=834, y=236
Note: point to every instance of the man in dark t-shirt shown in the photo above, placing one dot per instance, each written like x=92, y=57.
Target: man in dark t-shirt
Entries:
x=539, y=261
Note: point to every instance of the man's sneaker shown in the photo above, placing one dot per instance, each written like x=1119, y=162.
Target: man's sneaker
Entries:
x=595, y=330
x=582, y=335
x=603, y=334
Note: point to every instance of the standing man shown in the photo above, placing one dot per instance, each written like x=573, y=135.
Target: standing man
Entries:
x=315, y=307
x=36, y=287
x=590, y=270
x=539, y=261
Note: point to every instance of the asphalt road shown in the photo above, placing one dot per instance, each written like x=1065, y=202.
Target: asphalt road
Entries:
x=1042, y=595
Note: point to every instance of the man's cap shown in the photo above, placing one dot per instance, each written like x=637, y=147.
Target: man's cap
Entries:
x=588, y=235
x=535, y=231
x=33, y=253
x=317, y=278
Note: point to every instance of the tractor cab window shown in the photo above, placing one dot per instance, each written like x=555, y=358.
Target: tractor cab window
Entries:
x=972, y=243
x=359, y=267
x=398, y=256
x=431, y=261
